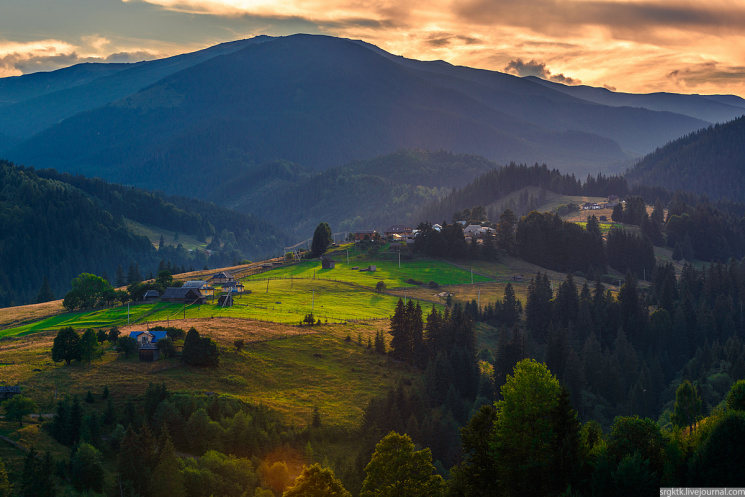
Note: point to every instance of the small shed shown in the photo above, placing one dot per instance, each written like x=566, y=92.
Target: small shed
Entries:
x=518, y=278
x=9, y=392
x=225, y=301
x=151, y=295
x=327, y=263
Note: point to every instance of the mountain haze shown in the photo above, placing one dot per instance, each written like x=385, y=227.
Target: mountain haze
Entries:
x=191, y=124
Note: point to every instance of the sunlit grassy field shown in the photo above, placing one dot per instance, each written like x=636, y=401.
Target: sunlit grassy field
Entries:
x=424, y=270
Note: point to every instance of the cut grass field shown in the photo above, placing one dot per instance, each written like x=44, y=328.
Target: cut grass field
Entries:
x=424, y=270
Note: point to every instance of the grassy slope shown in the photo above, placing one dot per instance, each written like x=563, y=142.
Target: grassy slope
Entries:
x=279, y=368
x=154, y=233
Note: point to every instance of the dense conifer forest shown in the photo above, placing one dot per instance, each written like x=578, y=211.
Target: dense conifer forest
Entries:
x=55, y=226
x=707, y=162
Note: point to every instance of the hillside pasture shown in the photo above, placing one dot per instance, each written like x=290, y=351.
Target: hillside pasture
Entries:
x=289, y=369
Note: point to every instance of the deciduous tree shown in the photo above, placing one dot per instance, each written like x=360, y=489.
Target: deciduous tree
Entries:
x=316, y=481
x=65, y=345
x=396, y=469
x=18, y=407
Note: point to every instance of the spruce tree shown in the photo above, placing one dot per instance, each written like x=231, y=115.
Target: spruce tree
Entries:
x=401, y=334
x=167, y=478
x=45, y=292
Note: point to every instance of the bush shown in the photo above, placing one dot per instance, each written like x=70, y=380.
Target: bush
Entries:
x=234, y=380
x=380, y=286
x=433, y=285
x=200, y=351
x=127, y=345
x=166, y=347
x=412, y=281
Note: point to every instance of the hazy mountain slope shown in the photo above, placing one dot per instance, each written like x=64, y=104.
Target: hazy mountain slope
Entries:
x=190, y=125
x=637, y=130
x=19, y=88
x=37, y=101
x=711, y=108
x=370, y=194
x=710, y=161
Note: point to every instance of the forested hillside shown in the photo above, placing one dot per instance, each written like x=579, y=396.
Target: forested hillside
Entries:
x=57, y=226
x=500, y=182
x=709, y=162
x=369, y=194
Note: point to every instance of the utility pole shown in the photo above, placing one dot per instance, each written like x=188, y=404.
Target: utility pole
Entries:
x=399, y=260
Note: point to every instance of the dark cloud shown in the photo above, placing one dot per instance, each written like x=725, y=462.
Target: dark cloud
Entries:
x=130, y=56
x=706, y=73
x=438, y=40
x=626, y=18
x=49, y=60
x=538, y=69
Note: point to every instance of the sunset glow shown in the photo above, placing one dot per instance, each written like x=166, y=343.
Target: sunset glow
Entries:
x=633, y=46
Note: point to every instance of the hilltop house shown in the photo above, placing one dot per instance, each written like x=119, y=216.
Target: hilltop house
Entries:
x=183, y=295
x=147, y=344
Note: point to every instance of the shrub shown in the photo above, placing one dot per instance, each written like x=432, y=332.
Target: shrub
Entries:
x=200, y=351
x=433, y=285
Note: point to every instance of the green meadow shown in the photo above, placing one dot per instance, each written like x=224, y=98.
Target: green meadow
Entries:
x=389, y=272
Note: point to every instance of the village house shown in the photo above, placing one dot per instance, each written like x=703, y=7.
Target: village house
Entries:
x=204, y=288
x=151, y=295
x=327, y=263
x=183, y=296
x=221, y=278
x=361, y=234
x=233, y=287
x=591, y=206
x=9, y=392
x=397, y=232
x=147, y=344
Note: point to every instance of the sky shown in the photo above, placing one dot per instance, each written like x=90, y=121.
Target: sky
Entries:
x=642, y=46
